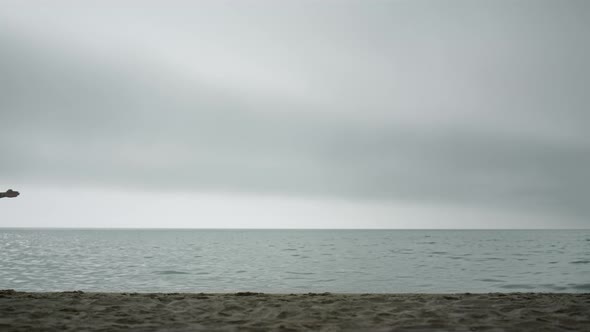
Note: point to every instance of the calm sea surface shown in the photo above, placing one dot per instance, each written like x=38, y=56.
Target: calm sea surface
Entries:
x=350, y=261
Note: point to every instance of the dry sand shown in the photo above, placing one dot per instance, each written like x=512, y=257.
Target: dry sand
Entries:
x=77, y=311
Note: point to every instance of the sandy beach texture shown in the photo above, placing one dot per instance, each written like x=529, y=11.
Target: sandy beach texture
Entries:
x=77, y=311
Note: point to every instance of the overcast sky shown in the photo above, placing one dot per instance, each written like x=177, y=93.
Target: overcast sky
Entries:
x=347, y=114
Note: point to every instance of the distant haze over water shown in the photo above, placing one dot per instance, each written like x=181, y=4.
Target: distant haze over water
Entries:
x=282, y=261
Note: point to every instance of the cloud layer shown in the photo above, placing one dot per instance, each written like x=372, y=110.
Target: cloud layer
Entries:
x=468, y=103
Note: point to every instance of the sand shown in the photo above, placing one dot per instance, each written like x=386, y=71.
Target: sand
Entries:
x=77, y=311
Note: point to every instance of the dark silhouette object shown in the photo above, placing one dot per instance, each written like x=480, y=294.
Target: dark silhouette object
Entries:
x=9, y=193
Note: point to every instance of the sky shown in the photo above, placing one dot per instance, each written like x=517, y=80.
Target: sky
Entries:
x=295, y=114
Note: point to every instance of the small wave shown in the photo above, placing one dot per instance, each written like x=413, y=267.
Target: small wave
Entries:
x=517, y=286
x=492, y=259
x=580, y=286
x=301, y=273
x=580, y=262
x=294, y=278
x=554, y=287
x=170, y=272
x=490, y=280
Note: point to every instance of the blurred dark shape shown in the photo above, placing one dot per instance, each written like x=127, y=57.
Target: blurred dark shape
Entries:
x=9, y=193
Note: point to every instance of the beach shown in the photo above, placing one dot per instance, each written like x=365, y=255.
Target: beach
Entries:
x=246, y=311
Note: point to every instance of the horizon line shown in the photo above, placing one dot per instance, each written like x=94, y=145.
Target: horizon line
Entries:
x=312, y=229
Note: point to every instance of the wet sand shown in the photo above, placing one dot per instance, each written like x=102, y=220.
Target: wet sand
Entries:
x=76, y=311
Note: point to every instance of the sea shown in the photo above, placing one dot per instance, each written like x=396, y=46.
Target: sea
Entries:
x=295, y=261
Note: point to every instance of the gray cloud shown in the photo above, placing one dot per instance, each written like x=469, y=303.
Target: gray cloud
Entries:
x=460, y=102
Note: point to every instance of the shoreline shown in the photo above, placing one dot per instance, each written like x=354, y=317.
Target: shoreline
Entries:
x=249, y=311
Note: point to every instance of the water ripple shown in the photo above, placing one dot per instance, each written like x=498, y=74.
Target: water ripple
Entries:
x=170, y=272
x=278, y=261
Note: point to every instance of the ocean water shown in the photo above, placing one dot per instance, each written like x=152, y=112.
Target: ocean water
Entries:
x=286, y=261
